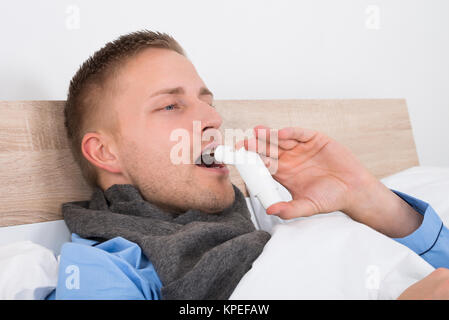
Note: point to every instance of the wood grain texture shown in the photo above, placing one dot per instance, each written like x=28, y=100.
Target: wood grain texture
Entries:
x=38, y=172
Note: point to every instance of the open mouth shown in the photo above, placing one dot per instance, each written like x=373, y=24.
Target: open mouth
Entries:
x=207, y=159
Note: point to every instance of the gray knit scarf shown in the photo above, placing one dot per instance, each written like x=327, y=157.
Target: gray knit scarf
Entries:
x=196, y=255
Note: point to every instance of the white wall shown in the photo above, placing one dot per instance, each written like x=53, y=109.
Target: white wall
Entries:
x=254, y=49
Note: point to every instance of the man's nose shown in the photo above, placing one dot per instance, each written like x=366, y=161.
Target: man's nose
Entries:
x=209, y=117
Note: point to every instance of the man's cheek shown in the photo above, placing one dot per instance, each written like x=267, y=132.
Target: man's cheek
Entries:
x=160, y=157
x=179, y=153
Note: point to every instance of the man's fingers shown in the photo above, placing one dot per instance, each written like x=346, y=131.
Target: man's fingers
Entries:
x=286, y=138
x=267, y=149
x=292, y=209
x=239, y=144
x=267, y=134
x=270, y=163
x=268, y=141
x=261, y=147
x=262, y=132
x=288, y=144
x=296, y=133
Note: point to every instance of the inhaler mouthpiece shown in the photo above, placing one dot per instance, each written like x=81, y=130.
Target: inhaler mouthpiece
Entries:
x=224, y=154
x=253, y=171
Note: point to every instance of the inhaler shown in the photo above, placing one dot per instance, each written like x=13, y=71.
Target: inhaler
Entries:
x=253, y=171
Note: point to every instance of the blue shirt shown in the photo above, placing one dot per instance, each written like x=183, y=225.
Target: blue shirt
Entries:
x=114, y=269
x=117, y=268
x=431, y=239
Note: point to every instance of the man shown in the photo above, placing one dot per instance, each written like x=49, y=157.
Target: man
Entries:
x=123, y=105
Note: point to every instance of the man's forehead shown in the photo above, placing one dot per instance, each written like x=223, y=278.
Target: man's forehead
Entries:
x=158, y=59
x=162, y=68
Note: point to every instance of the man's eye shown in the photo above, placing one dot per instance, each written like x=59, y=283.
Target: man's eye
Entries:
x=170, y=107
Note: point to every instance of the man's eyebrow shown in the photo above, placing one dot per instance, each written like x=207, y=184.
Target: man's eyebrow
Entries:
x=179, y=90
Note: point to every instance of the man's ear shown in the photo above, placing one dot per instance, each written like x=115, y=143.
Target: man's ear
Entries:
x=98, y=151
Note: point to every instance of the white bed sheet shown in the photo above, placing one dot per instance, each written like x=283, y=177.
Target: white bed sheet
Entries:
x=330, y=256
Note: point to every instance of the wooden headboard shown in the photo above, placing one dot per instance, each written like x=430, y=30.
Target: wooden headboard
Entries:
x=38, y=173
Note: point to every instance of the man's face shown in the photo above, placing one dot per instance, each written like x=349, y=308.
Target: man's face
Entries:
x=146, y=121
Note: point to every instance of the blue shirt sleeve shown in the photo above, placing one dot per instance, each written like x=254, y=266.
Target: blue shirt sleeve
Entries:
x=114, y=269
x=431, y=239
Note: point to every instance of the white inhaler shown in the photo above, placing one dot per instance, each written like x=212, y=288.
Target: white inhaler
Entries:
x=253, y=171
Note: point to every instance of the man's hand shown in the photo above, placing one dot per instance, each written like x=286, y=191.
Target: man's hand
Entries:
x=433, y=287
x=324, y=176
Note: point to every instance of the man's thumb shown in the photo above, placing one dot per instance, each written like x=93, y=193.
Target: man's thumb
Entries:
x=292, y=209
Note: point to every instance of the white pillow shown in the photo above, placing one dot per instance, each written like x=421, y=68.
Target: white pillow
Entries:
x=28, y=271
x=430, y=184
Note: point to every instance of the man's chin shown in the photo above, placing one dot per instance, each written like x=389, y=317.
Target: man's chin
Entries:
x=218, y=197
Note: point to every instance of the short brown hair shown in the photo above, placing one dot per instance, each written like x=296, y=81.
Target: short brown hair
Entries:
x=86, y=86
